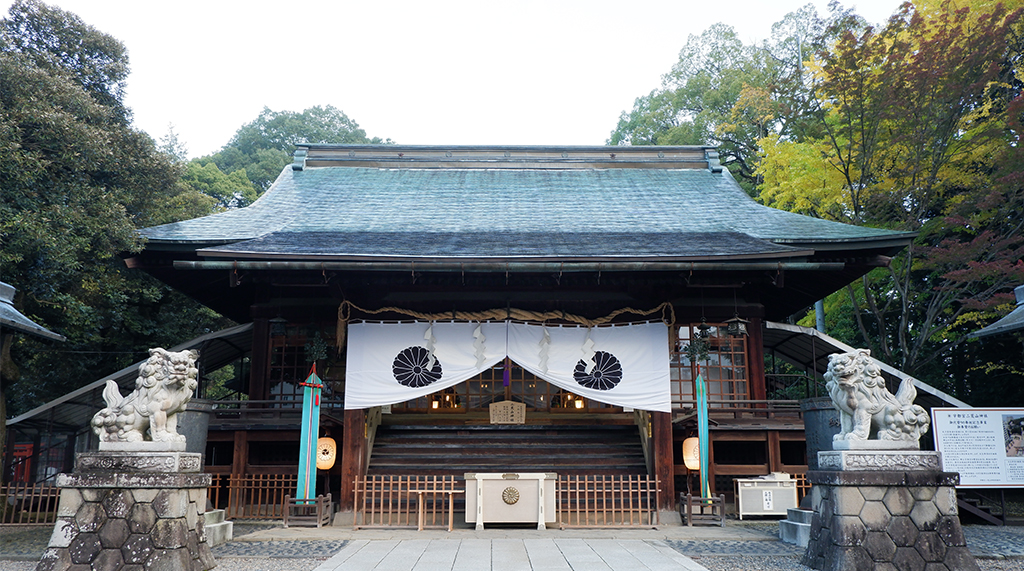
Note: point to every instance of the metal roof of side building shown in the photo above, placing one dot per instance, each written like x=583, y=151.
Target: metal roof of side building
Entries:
x=11, y=318
x=392, y=202
x=1014, y=321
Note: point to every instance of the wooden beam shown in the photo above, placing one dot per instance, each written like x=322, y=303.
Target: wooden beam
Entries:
x=740, y=469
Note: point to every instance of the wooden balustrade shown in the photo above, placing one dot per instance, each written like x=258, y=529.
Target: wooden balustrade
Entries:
x=252, y=496
x=608, y=501
x=28, y=504
x=421, y=502
x=405, y=501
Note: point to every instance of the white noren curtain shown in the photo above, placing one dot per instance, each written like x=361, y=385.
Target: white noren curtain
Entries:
x=623, y=365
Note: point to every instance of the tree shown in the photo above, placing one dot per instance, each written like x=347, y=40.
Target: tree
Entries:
x=59, y=42
x=264, y=146
x=725, y=93
x=917, y=131
x=173, y=146
x=77, y=181
x=229, y=190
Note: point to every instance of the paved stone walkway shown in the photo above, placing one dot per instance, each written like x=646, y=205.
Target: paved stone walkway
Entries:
x=500, y=549
x=509, y=555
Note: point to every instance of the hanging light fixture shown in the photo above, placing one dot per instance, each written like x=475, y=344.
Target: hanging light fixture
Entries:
x=277, y=326
x=703, y=330
x=736, y=327
x=691, y=453
x=326, y=452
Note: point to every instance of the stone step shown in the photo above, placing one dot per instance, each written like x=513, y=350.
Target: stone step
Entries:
x=218, y=530
x=798, y=515
x=794, y=532
x=213, y=516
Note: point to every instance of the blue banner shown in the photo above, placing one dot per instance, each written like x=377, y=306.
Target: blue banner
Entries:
x=702, y=434
x=310, y=432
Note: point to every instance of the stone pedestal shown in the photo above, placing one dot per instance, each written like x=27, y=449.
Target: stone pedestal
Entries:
x=133, y=511
x=885, y=511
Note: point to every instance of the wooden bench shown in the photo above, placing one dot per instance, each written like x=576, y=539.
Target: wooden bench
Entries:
x=308, y=512
x=702, y=511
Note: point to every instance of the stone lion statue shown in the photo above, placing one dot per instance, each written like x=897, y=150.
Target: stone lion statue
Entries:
x=164, y=386
x=867, y=410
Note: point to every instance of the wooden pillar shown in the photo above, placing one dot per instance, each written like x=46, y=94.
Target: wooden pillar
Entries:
x=774, y=452
x=755, y=359
x=353, y=455
x=661, y=424
x=8, y=459
x=240, y=453
x=260, y=362
x=37, y=457
x=711, y=463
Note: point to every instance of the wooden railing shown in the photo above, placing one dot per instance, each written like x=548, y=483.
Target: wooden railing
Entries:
x=252, y=496
x=608, y=501
x=405, y=501
x=28, y=504
x=803, y=487
x=279, y=412
x=736, y=409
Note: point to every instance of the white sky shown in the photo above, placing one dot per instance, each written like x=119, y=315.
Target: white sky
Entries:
x=419, y=72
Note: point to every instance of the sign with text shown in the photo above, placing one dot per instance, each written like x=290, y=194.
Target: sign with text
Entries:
x=985, y=445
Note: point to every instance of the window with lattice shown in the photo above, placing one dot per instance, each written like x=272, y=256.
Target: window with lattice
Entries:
x=723, y=368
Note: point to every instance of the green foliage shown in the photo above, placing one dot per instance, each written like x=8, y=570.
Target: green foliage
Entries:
x=729, y=94
x=78, y=180
x=913, y=125
x=917, y=130
x=59, y=43
x=227, y=189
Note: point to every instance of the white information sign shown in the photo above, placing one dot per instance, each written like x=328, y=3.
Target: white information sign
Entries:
x=985, y=445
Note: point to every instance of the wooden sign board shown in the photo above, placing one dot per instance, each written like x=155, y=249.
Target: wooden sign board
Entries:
x=508, y=412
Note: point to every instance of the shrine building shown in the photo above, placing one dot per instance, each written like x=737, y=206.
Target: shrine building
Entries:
x=590, y=284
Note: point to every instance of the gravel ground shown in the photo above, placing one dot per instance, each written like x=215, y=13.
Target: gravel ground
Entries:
x=748, y=563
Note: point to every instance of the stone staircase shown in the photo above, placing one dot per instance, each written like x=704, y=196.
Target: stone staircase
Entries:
x=218, y=530
x=796, y=528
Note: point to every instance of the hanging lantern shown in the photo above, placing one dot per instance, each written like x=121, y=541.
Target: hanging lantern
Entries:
x=326, y=452
x=737, y=327
x=703, y=330
x=691, y=453
x=278, y=326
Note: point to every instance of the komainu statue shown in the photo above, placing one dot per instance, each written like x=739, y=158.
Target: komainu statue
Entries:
x=164, y=386
x=867, y=410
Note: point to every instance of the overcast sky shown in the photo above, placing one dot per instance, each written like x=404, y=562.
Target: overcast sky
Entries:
x=483, y=72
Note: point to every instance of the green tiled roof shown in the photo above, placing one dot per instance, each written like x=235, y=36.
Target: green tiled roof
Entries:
x=449, y=206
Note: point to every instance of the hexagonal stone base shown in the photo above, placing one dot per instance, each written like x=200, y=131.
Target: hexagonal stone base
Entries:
x=109, y=520
x=887, y=520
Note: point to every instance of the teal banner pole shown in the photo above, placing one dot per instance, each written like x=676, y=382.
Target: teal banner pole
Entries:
x=310, y=432
x=702, y=434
